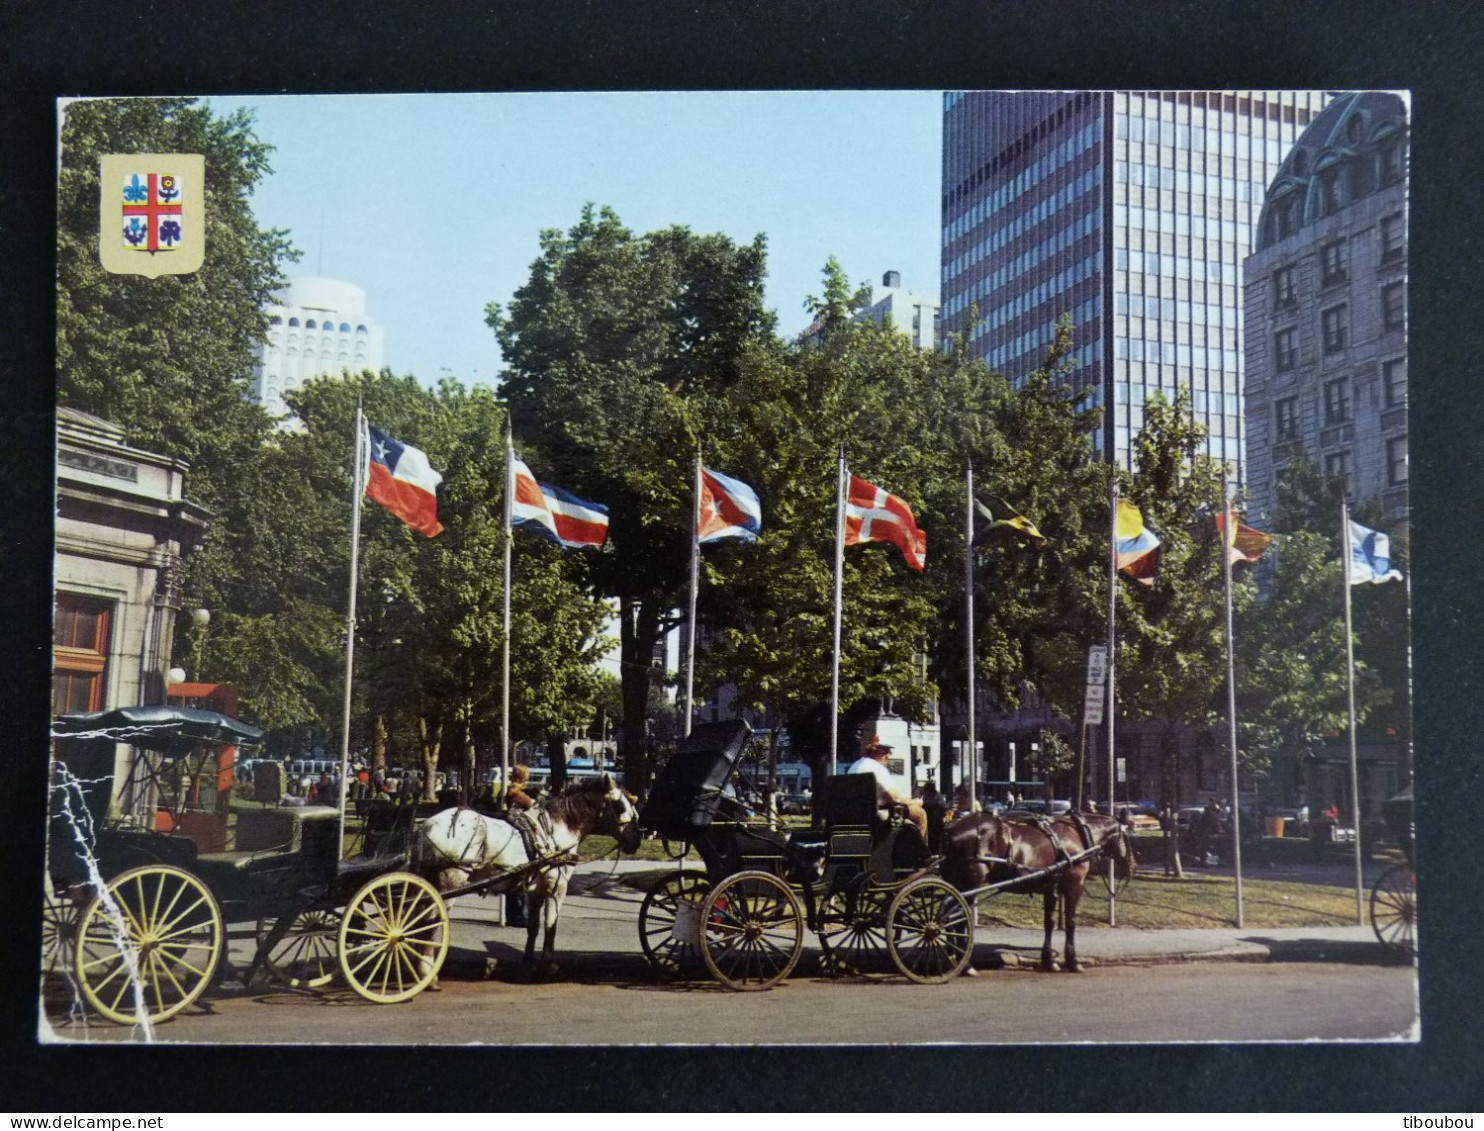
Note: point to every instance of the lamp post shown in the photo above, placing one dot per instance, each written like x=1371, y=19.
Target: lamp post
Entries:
x=200, y=618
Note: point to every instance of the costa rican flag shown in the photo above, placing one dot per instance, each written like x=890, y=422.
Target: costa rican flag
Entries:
x=399, y=477
x=873, y=515
x=729, y=509
x=554, y=514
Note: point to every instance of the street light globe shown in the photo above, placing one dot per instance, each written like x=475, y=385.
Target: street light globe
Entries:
x=201, y=617
x=175, y=675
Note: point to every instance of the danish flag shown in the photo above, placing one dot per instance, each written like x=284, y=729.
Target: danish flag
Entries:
x=872, y=515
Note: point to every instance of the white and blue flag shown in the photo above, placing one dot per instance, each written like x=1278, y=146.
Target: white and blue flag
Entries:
x=1370, y=556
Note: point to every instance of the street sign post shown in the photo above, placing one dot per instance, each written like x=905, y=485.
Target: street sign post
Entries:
x=1097, y=674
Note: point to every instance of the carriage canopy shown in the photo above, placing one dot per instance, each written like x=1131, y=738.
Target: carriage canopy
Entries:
x=685, y=797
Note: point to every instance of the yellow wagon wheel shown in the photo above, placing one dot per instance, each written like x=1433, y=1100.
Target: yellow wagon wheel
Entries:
x=752, y=931
x=930, y=931
x=167, y=929
x=307, y=957
x=393, y=937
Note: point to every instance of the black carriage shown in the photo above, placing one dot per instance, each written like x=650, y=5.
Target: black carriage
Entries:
x=1394, y=897
x=144, y=874
x=863, y=882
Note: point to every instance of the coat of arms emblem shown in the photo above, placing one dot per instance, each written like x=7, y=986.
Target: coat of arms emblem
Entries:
x=152, y=218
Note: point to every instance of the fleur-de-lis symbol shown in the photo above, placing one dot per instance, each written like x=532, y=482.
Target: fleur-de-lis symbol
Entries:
x=135, y=191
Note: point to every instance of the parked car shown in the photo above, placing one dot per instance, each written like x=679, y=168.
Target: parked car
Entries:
x=1037, y=805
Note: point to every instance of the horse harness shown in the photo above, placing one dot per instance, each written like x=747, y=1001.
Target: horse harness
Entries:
x=538, y=836
x=1062, y=857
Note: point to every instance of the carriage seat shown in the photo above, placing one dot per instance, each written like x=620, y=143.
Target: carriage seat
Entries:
x=268, y=838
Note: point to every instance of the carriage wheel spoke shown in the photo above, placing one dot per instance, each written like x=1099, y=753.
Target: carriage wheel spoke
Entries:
x=181, y=990
x=183, y=914
x=179, y=961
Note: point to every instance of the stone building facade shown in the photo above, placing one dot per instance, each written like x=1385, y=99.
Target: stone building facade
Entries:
x=1325, y=298
x=123, y=525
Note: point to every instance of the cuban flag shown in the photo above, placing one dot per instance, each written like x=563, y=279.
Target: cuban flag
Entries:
x=1370, y=556
x=554, y=514
x=399, y=477
x=729, y=509
x=873, y=515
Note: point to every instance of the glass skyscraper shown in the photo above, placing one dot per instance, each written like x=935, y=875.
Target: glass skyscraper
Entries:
x=1132, y=211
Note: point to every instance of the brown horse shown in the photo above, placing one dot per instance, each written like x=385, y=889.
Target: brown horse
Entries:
x=985, y=849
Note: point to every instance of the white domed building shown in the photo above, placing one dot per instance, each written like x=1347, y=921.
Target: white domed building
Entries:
x=317, y=326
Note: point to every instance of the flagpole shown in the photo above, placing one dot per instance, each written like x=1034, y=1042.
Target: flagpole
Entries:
x=505, y=621
x=1228, y=540
x=1346, y=556
x=839, y=588
x=1112, y=640
x=357, y=471
x=970, y=769
x=695, y=585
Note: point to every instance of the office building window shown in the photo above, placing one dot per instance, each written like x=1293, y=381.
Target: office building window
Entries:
x=1394, y=306
x=1393, y=237
x=1285, y=351
x=1334, y=264
x=1394, y=378
x=1286, y=417
x=1334, y=321
x=1285, y=216
x=1337, y=401
x=1337, y=464
x=1332, y=189
x=1396, y=461
x=1285, y=286
x=80, y=653
x=1391, y=163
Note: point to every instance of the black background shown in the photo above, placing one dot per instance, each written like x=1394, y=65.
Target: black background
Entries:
x=143, y=47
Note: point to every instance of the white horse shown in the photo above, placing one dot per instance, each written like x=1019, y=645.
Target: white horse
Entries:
x=459, y=847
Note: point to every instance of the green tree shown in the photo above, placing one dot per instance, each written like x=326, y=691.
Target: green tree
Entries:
x=617, y=350
x=1038, y=606
x=1172, y=635
x=1291, y=639
x=429, y=625
x=770, y=605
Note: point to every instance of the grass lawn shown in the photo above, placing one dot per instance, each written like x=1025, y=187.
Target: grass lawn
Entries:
x=1156, y=901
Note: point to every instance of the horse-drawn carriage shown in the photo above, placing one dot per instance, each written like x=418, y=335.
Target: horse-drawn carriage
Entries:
x=864, y=882
x=1394, y=897
x=145, y=872
x=876, y=896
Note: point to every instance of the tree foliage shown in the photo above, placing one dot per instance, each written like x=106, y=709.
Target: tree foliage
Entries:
x=618, y=350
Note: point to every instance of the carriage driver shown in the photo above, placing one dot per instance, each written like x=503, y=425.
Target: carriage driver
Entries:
x=873, y=761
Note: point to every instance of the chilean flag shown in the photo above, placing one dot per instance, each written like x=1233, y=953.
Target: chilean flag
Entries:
x=729, y=509
x=554, y=514
x=872, y=515
x=399, y=477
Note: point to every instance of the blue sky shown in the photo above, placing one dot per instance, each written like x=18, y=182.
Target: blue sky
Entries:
x=434, y=203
